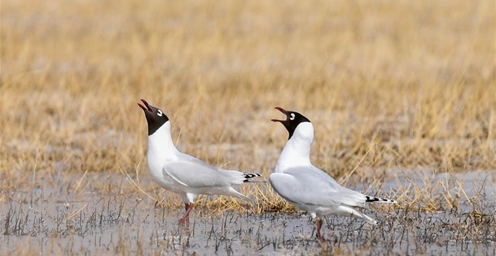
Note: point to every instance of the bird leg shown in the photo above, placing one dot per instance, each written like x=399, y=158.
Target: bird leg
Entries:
x=185, y=219
x=318, y=223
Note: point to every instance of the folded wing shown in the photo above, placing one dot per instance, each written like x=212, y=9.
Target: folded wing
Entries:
x=311, y=186
x=198, y=174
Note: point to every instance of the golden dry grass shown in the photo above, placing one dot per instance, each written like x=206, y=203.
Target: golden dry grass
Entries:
x=389, y=85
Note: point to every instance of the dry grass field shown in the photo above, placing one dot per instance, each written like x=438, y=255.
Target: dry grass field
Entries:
x=402, y=95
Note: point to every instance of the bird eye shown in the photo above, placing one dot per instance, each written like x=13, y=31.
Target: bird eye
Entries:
x=292, y=117
x=159, y=112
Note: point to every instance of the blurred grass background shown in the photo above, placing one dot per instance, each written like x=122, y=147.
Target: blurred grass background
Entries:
x=387, y=84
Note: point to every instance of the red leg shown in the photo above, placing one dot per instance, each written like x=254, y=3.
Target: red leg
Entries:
x=185, y=218
x=319, y=226
x=188, y=209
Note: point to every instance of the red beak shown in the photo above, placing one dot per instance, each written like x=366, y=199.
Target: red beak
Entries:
x=147, y=108
x=283, y=111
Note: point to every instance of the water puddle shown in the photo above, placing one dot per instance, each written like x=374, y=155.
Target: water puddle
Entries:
x=57, y=220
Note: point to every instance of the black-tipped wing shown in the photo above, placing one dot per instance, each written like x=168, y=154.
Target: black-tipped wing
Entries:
x=193, y=172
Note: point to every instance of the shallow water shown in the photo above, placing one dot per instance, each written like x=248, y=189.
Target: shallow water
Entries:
x=57, y=220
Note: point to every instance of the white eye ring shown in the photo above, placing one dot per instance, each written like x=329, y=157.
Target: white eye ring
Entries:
x=292, y=117
x=159, y=112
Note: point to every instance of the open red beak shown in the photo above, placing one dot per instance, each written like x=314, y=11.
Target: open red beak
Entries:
x=146, y=106
x=283, y=111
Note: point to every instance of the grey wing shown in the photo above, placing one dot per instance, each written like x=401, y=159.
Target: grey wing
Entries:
x=311, y=175
x=326, y=188
x=188, y=158
x=301, y=191
x=196, y=174
x=317, y=172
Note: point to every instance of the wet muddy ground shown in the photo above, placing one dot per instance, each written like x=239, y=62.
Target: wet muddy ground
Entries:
x=55, y=218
